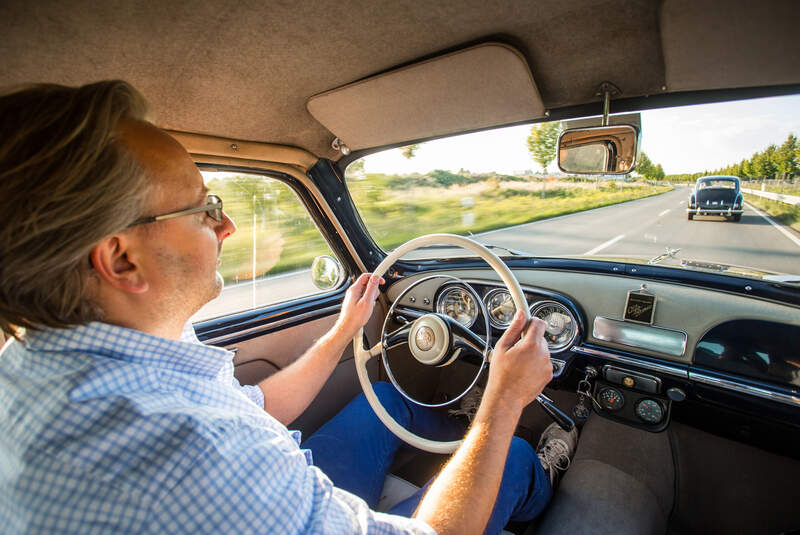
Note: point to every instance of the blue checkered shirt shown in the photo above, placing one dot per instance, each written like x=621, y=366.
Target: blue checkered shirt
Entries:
x=109, y=430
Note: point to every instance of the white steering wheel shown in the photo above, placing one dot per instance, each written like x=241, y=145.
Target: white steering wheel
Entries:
x=431, y=352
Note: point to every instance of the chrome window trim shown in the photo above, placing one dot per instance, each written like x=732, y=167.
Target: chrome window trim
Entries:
x=663, y=368
x=604, y=328
x=274, y=325
x=743, y=388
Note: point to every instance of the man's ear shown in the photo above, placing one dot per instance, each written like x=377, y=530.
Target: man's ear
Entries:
x=114, y=262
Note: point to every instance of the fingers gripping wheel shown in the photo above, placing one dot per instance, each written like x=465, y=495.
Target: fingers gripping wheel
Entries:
x=362, y=355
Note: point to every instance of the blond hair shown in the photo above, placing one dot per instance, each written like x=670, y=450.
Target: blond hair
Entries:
x=66, y=182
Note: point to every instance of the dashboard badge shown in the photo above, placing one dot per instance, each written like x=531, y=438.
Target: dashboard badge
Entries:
x=424, y=338
x=640, y=306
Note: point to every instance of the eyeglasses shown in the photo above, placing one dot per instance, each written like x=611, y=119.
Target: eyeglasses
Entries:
x=213, y=208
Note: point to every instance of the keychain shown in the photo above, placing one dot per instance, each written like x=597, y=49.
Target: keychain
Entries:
x=581, y=411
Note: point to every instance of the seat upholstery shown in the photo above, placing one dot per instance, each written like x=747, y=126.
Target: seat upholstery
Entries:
x=621, y=481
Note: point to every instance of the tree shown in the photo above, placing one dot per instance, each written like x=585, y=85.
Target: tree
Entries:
x=763, y=164
x=355, y=170
x=542, y=143
x=786, y=157
x=409, y=151
x=645, y=166
x=658, y=173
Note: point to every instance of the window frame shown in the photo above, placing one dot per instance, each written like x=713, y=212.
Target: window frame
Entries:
x=241, y=325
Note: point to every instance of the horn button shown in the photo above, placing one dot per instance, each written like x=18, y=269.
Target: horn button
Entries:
x=429, y=339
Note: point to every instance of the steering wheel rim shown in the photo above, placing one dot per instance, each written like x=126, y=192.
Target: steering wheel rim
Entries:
x=362, y=355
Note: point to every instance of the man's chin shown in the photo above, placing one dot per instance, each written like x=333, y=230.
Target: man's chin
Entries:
x=219, y=284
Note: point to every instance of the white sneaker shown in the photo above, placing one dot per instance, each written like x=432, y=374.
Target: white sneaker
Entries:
x=555, y=450
x=469, y=404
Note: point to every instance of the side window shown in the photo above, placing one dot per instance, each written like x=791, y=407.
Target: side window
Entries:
x=268, y=259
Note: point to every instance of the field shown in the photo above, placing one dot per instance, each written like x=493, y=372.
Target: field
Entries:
x=275, y=230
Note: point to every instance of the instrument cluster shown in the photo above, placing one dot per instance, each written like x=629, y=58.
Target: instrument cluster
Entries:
x=459, y=303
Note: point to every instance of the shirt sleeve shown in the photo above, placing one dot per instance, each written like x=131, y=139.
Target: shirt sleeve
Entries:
x=257, y=482
x=253, y=393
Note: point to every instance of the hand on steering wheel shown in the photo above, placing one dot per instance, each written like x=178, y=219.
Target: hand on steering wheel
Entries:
x=431, y=339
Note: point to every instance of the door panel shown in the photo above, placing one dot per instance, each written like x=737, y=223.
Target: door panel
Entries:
x=260, y=357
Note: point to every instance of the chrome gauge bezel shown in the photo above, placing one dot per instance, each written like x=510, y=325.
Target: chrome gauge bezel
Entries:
x=447, y=289
x=536, y=307
x=488, y=297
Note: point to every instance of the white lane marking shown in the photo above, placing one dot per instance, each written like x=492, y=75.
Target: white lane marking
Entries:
x=602, y=246
x=681, y=203
x=665, y=212
x=771, y=222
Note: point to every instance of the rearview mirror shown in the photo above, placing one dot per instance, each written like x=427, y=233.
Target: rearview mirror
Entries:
x=606, y=150
x=326, y=273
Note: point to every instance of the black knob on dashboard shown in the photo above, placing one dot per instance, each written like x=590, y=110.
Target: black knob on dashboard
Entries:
x=676, y=394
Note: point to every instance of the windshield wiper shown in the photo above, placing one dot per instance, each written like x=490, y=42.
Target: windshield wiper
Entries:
x=669, y=253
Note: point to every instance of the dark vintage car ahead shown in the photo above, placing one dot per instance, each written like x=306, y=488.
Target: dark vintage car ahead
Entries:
x=716, y=195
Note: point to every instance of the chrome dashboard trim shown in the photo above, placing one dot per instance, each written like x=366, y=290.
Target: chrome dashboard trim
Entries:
x=668, y=341
x=275, y=324
x=652, y=366
x=742, y=388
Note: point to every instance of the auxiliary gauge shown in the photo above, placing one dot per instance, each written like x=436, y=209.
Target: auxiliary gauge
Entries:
x=650, y=411
x=611, y=399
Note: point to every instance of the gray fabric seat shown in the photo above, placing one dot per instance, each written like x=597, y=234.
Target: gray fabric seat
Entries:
x=621, y=481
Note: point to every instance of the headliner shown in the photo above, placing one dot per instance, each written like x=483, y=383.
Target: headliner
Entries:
x=245, y=70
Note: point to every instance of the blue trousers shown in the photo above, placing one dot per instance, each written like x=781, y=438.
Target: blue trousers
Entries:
x=355, y=450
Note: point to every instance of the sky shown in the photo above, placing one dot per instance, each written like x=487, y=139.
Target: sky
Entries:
x=683, y=140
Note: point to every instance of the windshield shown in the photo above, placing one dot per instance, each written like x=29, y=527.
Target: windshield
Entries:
x=716, y=183
x=503, y=187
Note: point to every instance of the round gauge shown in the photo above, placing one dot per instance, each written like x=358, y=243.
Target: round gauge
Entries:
x=501, y=308
x=611, y=399
x=650, y=411
x=458, y=303
x=561, y=327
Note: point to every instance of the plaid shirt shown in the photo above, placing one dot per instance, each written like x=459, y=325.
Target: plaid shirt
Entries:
x=109, y=430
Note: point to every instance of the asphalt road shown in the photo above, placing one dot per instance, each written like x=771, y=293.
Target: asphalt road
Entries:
x=644, y=227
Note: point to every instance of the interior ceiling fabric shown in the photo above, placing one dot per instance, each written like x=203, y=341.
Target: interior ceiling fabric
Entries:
x=245, y=70
x=481, y=86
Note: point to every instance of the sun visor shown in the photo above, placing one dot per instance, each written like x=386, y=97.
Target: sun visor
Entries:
x=737, y=43
x=478, y=87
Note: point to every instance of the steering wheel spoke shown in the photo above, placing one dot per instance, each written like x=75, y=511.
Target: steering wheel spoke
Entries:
x=465, y=339
x=433, y=340
x=397, y=337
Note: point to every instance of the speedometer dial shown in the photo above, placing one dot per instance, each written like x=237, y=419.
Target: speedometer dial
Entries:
x=501, y=308
x=458, y=303
x=561, y=328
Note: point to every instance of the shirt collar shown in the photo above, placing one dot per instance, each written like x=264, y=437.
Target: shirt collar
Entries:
x=185, y=355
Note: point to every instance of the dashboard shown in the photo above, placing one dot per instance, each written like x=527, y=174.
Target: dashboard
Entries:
x=646, y=344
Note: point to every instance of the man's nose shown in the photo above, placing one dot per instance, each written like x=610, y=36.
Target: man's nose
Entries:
x=226, y=227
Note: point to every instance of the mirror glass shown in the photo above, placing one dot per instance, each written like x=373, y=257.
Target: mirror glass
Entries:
x=326, y=273
x=608, y=150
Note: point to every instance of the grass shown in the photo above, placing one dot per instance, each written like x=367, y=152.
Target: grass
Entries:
x=273, y=222
x=786, y=213
x=480, y=209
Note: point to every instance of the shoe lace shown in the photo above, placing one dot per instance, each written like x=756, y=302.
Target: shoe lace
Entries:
x=555, y=453
x=469, y=404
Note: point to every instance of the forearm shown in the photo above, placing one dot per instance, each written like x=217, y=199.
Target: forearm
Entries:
x=288, y=392
x=462, y=497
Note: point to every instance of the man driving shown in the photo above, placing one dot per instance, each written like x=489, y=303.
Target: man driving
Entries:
x=115, y=418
